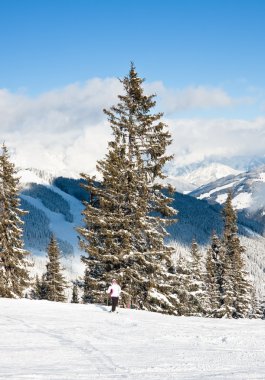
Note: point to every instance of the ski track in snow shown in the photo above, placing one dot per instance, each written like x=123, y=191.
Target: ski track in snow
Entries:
x=55, y=341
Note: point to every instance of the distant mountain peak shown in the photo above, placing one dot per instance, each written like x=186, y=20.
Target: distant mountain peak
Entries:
x=33, y=175
x=248, y=192
x=194, y=177
x=209, y=173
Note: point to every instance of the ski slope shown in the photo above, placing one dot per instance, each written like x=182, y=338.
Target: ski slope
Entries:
x=46, y=340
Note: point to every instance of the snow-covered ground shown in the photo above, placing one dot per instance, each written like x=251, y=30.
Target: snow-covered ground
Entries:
x=45, y=340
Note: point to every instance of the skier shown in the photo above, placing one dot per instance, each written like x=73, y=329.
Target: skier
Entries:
x=114, y=291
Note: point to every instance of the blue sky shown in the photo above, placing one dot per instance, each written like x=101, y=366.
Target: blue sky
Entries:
x=204, y=59
x=50, y=43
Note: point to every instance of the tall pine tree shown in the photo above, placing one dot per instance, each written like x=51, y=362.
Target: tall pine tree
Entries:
x=126, y=217
x=13, y=257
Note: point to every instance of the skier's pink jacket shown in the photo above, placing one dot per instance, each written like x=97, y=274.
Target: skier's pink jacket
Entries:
x=114, y=290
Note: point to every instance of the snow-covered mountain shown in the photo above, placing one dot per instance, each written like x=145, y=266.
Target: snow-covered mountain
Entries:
x=209, y=173
x=54, y=205
x=188, y=177
x=248, y=191
x=33, y=175
x=51, y=210
x=185, y=178
x=180, y=184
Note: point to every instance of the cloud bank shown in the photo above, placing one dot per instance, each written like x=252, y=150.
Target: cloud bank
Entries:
x=65, y=132
x=199, y=139
x=193, y=97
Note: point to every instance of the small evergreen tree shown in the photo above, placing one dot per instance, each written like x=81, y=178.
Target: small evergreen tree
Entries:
x=75, y=294
x=39, y=291
x=256, y=306
x=181, y=286
x=55, y=282
x=127, y=214
x=237, y=289
x=262, y=309
x=34, y=293
x=213, y=277
x=87, y=294
x=197, y=290
x=13, y=257
x=37, y=288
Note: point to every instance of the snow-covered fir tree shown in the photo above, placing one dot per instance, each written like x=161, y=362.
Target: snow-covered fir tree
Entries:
x=35, y=291
x=262, y=308
x=75, y=294
x=55, y=282
x=13, y=257
x=236, y=288
x=213, y=276
x=127, y=214
x=256, y=310
x=87, y=293
x=197, y=289
x=181, y=285
x=39, y=290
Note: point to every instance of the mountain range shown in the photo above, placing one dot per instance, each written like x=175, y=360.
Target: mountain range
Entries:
x=189, y=177
x=248, y=192
x=54, y=206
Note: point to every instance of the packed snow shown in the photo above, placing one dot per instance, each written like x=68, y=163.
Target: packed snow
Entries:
x=46, y=340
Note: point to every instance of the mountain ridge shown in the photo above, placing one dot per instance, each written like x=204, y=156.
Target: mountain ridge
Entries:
x=55, y=208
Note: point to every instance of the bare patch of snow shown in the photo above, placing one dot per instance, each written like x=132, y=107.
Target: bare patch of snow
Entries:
x=242, y=200
x=221, y=198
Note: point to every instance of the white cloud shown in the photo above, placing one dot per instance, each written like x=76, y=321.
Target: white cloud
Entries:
x=197, y=139
x=193, y=97
x=65, y=131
